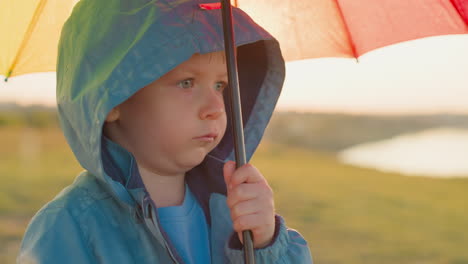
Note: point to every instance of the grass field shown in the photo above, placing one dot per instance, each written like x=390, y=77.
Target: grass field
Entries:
x=348, y=214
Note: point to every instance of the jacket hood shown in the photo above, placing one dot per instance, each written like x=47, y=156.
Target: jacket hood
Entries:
x=110, y=49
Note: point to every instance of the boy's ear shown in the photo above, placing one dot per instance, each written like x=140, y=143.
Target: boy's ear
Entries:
x=113, y=115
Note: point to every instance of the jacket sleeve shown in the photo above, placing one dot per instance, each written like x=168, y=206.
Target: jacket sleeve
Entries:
x=53, y=236
x=287, y=246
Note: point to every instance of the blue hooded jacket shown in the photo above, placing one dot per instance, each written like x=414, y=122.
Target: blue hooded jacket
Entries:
x=108, y=51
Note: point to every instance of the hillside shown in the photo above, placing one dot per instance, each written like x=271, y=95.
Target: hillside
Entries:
x=326, y=132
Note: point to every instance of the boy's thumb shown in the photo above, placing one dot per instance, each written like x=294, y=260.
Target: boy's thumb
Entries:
x=228, y=170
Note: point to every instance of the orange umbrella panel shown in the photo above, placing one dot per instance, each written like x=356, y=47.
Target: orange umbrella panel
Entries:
x=305, y=28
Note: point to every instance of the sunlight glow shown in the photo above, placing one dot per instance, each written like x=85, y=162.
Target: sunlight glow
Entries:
x=425, y=75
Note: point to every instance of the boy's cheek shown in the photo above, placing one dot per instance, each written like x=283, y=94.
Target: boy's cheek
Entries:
x=223, y=128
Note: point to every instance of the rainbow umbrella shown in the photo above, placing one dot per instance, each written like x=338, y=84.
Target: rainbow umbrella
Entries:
x=305, y=28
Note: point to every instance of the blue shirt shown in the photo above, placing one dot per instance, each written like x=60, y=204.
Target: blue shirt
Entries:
x=187, y=229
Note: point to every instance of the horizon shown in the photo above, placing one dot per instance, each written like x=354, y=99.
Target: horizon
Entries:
x=10, y=105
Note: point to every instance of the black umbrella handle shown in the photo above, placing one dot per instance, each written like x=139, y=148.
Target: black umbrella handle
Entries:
x=236, y=110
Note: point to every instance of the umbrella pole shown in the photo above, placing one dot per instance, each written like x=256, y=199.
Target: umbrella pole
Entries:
x=236, y=110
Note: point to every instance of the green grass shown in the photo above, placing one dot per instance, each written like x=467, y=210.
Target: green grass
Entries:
x=348, y=214
x=35, y=164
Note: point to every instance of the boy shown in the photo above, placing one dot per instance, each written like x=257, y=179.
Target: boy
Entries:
x=140, y=97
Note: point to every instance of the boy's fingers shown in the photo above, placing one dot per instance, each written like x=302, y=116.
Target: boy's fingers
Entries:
x=244, y=208
x=243, y=225
x=246, y=222
x=246, y=174
x=228, y=170
x=248, y=191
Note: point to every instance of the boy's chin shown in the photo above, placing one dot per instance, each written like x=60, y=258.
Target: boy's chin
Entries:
x=191, y=159
x=195, y=160
x=193, y=163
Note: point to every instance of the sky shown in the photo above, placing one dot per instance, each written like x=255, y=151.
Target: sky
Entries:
x=427, y=75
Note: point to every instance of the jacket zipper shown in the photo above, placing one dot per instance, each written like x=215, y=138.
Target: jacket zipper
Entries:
x=153, y=227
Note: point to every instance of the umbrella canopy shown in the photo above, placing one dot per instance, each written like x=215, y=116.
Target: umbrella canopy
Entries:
x=30, y=31
x=305, y=29
x=349, y=28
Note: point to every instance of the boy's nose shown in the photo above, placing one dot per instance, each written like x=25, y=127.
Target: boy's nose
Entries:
x=213, y=106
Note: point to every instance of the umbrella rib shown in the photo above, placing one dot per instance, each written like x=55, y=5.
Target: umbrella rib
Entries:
x=348, y=32
x=27, y=36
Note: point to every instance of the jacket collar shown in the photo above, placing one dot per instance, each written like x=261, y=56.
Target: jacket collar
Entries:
x=120, y=165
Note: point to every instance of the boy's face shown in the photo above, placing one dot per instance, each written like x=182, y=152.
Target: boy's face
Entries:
x=173, y=123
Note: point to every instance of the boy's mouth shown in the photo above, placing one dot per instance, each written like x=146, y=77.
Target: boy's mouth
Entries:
x=210, y=137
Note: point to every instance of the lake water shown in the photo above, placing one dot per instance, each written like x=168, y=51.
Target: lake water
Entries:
x=441, y=152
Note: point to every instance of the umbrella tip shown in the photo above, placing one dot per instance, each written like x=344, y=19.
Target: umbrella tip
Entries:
x=8, y=75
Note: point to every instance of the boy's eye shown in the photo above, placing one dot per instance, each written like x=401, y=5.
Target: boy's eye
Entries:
x=185, y=84
x=220, y=86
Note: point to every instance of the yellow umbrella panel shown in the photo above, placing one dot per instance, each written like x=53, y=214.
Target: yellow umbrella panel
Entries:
x=30, y=32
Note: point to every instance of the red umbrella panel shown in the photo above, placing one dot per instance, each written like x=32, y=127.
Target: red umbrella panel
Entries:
x=462, y=7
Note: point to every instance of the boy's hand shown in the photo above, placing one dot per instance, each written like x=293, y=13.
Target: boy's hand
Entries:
x=250, y=200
